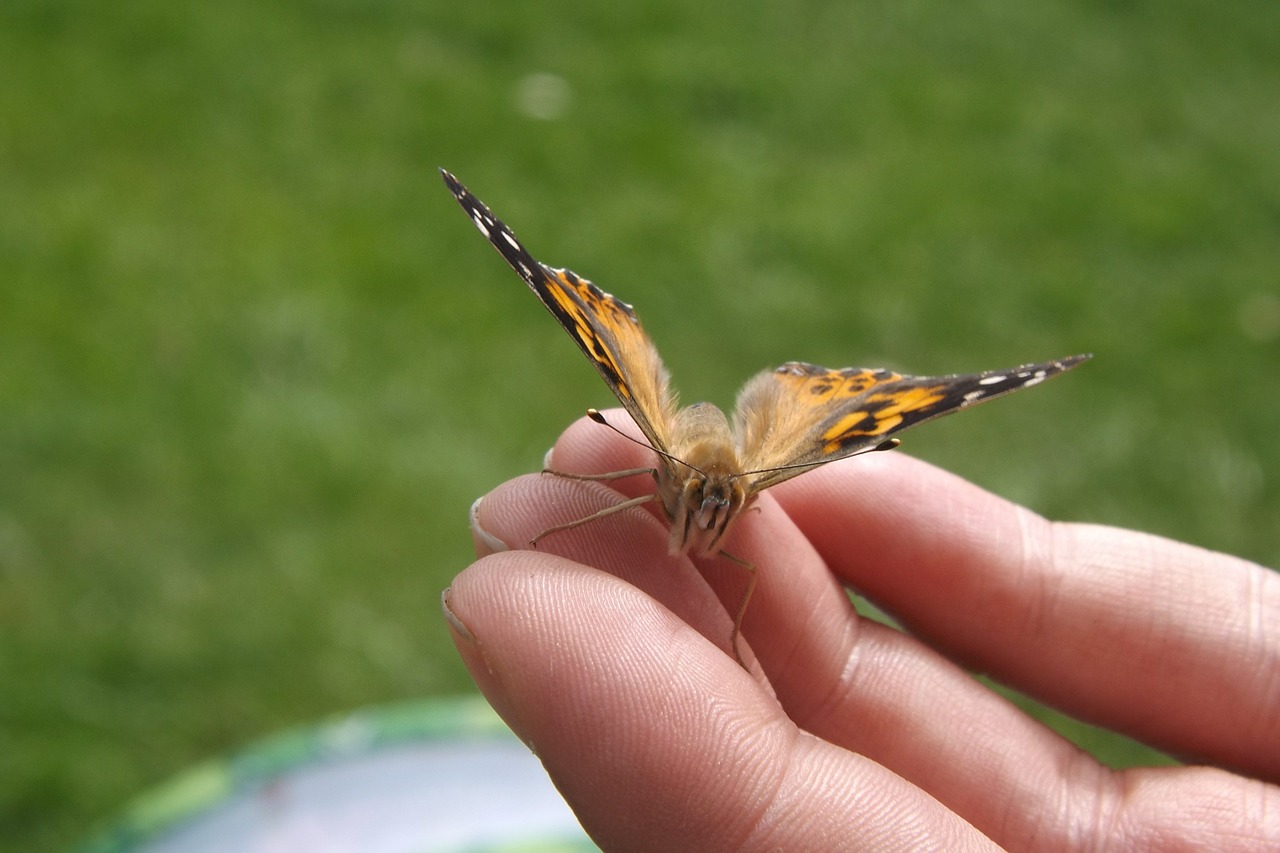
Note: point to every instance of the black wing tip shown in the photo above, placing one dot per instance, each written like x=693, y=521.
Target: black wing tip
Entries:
x=497, y=232
x=1051, y=368
x=480, y=214
x=455, y=186
x=1037, y=371
x=1062, y=365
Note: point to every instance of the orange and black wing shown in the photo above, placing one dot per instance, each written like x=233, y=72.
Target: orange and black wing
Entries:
x=606, y=328
x=800, y=415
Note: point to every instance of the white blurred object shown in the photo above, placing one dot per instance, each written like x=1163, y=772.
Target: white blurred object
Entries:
x=445, y=775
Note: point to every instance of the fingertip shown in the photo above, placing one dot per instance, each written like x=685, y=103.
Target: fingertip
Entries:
x=468, y=616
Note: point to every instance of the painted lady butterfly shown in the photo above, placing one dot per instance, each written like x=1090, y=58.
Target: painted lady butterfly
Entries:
x=785, y=422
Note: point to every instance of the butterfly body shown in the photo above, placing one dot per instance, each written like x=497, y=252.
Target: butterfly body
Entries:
x=710, y=467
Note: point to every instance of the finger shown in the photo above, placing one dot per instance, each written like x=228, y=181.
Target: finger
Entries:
x=871, y=689
x=657, y=739
x=887, y=696
x=1169, y=643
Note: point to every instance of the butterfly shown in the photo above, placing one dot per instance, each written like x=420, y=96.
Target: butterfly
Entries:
x=785, y=422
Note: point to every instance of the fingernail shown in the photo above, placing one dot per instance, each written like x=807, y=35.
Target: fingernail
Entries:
x=477, y=663
x=463, y=632
x=546, y=457
x=485, y=542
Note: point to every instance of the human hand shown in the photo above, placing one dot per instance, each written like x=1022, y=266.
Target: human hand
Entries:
x=611, y=659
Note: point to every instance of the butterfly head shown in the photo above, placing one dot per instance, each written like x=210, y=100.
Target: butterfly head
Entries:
x=705, y=504
x=699, y=482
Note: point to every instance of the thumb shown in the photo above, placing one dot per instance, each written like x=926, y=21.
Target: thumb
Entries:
x=655, y=737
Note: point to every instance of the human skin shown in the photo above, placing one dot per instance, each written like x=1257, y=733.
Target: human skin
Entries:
x=611, y=659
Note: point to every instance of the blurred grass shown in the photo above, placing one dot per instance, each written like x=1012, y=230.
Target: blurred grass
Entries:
x=256, y=363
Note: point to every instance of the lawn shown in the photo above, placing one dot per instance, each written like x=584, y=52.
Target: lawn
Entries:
x=255, y=363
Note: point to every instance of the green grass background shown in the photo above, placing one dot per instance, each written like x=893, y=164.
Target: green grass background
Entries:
x=255, y=363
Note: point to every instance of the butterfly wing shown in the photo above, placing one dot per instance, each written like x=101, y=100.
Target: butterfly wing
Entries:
x=800, y=415
x=606, y=328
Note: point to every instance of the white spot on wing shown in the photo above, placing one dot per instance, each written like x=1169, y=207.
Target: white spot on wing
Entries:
x=992, y=380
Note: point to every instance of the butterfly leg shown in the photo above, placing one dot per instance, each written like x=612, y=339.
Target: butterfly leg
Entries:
x=607, y=511
x=742, y=605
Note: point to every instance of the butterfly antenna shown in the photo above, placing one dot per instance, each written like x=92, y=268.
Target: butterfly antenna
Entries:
x=597, y=416
x=889, y=444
